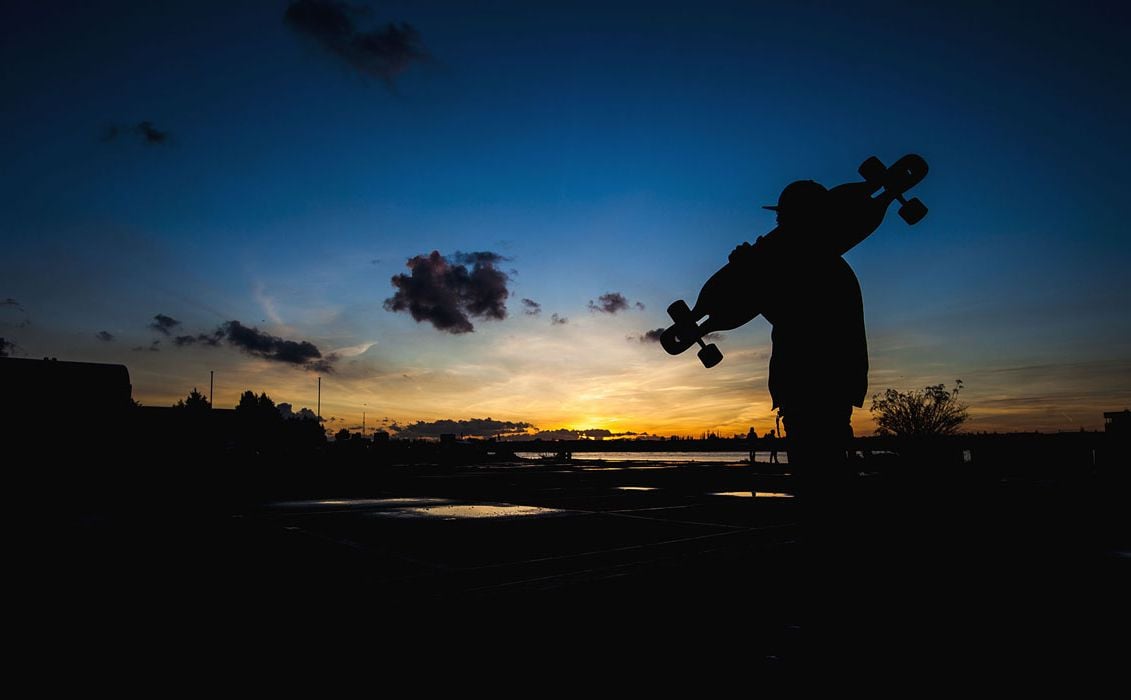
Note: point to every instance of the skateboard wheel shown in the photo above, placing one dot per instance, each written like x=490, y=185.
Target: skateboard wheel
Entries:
x=679, y=311
x=913, y=211
x=710, y=355
x=872, y=170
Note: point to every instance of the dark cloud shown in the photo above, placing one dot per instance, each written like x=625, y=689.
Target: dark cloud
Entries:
x=146, y=131
x=531, y=307
x=384, y=52
x=104, y=336
x=164, y=324
x=11, y=302
x=475, y=427
x=556, y=320
x=211, y=340
x=575, y=434
x=611, y=303
x=269, y=347
x=652, y=336
x=287, y=411
x=446, y=294
x=639, y=305
x=6, y=347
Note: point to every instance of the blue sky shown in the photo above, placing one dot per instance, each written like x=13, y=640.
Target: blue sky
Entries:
x=598, y=147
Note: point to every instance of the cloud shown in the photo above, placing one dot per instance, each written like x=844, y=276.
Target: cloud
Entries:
x=155, y=346
x=556, y=320
x=611, y=303
x=164, y=324
x=146, y=131
x=652, y=336
x=104, y=336
x=354, y=350
x=531, y=307
x=11, y=302
x=384, y=52
x=446, y=294
x=577, y=434
x=6, y=347
x=287, y=411
x=475, y=427
x=209, y=339
x=269, y=347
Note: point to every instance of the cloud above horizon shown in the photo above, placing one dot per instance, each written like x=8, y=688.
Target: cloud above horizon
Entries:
x=474, y=427
x=164, y=324
x=613, y=302
x=384, y=52
x=211, y=340
x=260, y=344
x=531, y=307
x=447, y=294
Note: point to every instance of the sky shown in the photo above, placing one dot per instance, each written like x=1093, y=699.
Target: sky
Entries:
x=456, y=211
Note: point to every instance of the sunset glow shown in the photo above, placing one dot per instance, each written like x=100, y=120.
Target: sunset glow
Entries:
x=204, y=194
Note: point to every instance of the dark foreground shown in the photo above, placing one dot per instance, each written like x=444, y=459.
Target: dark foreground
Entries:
x=620, y=555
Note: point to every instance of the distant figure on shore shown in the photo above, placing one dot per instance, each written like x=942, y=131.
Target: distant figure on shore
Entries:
x=772, y=444
x=819, y=363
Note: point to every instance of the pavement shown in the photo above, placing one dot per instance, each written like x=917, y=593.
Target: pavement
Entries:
x=624, y=549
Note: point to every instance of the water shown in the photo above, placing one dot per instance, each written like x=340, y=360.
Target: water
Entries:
x=681, y=457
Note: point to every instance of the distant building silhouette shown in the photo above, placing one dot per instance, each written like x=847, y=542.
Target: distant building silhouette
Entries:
x=1118, y=422
x=54, y=385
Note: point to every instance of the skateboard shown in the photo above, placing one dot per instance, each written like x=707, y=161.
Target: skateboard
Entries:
x=732, y=296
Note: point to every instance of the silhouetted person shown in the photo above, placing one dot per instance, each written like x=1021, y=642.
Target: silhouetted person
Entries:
x=819, y=365
x=772, y=444
x=818, y=372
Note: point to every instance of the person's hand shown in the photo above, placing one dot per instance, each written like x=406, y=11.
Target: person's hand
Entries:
x=741, y=252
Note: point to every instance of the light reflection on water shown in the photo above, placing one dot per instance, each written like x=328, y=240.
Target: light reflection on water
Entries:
x=753, y=494
x=461, y=511
x=761, y=457
x=636, y=488
x=428, y=508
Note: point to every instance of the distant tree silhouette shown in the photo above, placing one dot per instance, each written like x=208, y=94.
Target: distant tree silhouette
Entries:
x=248, y=403
x=342, y=435
x=195, y=401
x=928, y=412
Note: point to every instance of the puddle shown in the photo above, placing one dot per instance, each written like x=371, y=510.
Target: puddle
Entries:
x=753, y=494
x=467, y=511
x=636, y=488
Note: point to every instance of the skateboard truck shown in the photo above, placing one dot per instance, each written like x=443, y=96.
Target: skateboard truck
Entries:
x=680, y=312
